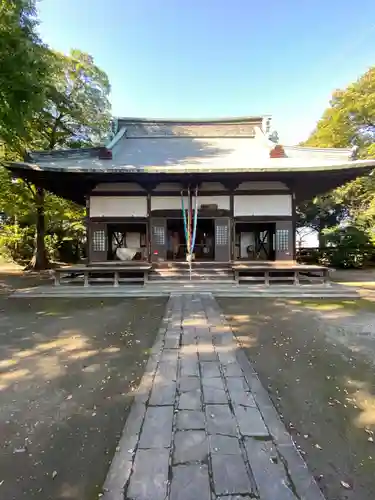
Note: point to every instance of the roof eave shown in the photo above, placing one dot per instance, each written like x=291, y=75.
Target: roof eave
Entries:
x=357, y=164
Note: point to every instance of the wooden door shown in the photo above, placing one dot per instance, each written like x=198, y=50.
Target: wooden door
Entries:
x=158, y=239
x=222, y=239
x=284, y=240
x=98, y=238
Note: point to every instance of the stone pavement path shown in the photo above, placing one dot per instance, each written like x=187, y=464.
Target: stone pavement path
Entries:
x=202, y=427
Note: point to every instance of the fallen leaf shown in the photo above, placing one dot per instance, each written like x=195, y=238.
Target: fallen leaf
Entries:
x=345, y=485
x=54, y=474
x=20, y=450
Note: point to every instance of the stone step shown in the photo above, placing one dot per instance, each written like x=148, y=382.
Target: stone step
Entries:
x=195, y=264
x=220, y=290
x=187, y=276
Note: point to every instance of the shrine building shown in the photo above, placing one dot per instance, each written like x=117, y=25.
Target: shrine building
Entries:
x=243, y=187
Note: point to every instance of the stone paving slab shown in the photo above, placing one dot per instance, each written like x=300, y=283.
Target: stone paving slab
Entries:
x=202, y=426
x=150, y=475
x=190, y=419
x=230, y=475
x=157, y=427
x=190, y=482
x=190, y=446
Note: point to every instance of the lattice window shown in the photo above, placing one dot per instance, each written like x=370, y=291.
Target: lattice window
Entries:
x=99, y=241
x=282, y=240
x=158, y=235
x=222, y=235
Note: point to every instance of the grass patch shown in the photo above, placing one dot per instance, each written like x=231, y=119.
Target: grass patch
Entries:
x=352, y=305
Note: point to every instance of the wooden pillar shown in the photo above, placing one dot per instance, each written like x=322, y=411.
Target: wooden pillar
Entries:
x=148, y=226
x=294, y=221
x=88, y=232
x=232, y=225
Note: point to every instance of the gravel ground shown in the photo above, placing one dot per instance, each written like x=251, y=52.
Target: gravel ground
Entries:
x=67, y=371
x=318, y=366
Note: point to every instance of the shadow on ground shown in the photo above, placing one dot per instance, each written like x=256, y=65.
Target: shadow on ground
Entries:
x=68, y=369
x=324, y=391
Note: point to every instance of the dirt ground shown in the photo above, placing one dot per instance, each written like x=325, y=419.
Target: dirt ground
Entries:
x=67, y=371
x=318, y=361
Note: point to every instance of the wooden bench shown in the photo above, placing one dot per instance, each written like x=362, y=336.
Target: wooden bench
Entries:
x=269, y=274
x=102, y=274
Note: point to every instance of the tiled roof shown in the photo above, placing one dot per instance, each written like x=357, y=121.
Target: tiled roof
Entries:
x=231, y=145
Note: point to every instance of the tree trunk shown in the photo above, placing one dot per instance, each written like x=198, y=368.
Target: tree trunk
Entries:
x=321, y=235
x=40, y=259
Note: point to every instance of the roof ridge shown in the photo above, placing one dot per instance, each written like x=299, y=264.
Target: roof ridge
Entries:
x=194, y=121
x=313, y=148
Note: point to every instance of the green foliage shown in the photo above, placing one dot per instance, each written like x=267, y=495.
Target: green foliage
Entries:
x=75, y=112
x=25, y=70
x=349, y=121
x=17, y=243
x=349, y=246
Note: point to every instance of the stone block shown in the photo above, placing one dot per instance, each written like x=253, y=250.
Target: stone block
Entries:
x=250, y=421
x=239, y=392
x=214, y=392
x=191, y=400
x=224, y=445
x=230, y=475
x=189, y=367
x=167, y=370
x=172, y=342
x=189, y=384
x=207, y=356
x=210, y=369
x=150, y=475
x=219, y=420
x=190, y=482
x=232, y=370
x=303, y=481
x=268, y=471
x=157, y=427
x=163, y=394
x=190, y=419
x=190, y=446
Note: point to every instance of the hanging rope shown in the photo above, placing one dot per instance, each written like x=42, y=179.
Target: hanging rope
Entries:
x=195, y=221
x=188, y=242
x=184, y=216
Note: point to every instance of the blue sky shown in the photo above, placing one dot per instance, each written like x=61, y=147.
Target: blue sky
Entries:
x=207, y=58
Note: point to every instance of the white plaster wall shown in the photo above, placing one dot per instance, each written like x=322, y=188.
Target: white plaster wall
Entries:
x=174, y=202
x=275, y=204
x=118, y=186
x=118, y=206
x=262, y=185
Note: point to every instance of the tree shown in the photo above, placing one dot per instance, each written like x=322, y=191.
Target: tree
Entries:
x=320, y=213
x=76, y=114
x=77, y=109
x=349, y=121
x=25, y=69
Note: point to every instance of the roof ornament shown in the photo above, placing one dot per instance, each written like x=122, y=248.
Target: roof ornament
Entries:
x=274, y=137
x=268, y=126
x=105, y=154
x=277, y=152
x=354, y=152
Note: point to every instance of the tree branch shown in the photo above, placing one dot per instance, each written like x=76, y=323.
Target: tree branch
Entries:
x=30, y=187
